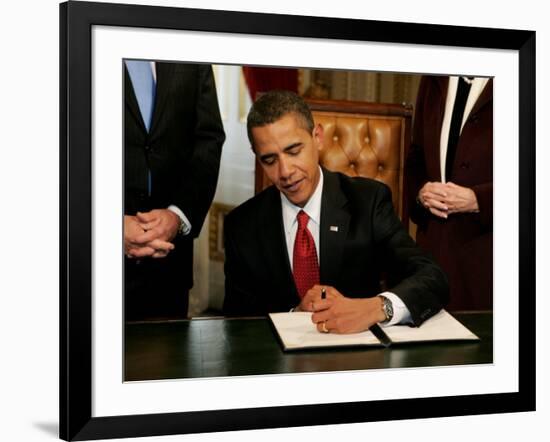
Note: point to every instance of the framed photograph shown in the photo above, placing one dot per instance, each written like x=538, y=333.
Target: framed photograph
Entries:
x=96, y=401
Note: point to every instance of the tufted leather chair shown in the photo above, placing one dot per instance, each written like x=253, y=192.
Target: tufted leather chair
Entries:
x=363, y=139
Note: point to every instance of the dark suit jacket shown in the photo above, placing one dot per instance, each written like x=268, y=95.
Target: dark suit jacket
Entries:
x=182, y=151
x=370, y=239
x=462, y=244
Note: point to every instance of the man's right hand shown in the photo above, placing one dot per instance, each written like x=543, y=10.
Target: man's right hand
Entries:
x=307, y=303
x=135, y=249
x=339, y=314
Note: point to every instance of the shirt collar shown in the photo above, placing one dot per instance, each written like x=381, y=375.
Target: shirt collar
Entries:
x=312, y=207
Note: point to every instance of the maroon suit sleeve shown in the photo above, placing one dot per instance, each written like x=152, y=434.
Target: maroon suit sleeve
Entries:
x=484, y=195
x=415, y=166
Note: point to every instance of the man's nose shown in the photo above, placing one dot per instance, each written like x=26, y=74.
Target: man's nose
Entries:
x=285, y=168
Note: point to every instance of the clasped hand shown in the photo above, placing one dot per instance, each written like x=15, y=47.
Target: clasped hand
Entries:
x=149, y=234
x=444, y=199
x=338, y=314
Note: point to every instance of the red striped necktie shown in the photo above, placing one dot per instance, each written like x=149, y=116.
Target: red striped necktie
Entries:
x=304, y=261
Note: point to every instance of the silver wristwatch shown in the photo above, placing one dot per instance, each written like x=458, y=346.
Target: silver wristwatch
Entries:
x=181, y=227
x=387, y=308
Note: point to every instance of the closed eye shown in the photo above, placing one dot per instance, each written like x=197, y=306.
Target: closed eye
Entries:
x=294, y=149
x=268, y=159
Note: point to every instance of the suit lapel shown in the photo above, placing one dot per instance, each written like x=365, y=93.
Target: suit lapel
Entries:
x=443, y=84
x=165, y=77
x=274, y=244
x=464, y=150
x=334, y=228
x=485, y=97
x=131, y=100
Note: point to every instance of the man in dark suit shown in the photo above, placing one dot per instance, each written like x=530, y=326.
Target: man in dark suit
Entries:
x=318, y=241
x=449, y=173
x=173, y=136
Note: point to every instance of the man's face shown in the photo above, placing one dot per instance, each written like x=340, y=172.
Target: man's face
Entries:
x=289, y=155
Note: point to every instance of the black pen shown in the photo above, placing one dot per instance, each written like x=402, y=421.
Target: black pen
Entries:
x=323, y=293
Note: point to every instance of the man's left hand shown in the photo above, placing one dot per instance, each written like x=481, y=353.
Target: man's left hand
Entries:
x=339, y=314
x=159, y=224
x=460, y=199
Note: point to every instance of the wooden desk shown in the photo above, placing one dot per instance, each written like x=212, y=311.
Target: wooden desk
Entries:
x=248, y=346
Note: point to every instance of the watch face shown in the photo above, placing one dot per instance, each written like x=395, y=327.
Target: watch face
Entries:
x=388, y=308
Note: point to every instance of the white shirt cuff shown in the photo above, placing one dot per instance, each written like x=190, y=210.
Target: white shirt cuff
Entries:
x=401, y=314
x=182, y=217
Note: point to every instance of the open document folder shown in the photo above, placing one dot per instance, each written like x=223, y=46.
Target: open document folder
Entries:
x=296, y=331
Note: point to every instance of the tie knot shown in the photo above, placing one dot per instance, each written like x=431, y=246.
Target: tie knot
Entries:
x=302, y=218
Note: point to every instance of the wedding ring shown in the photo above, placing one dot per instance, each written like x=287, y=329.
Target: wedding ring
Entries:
x=324, y=327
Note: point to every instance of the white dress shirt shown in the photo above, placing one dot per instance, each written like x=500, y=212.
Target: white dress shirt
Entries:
x=401, y=314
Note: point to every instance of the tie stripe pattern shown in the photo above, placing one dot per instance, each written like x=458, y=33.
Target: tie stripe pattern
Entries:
x=304, y=261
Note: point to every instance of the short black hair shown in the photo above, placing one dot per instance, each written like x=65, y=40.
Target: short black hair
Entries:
x=273, y=105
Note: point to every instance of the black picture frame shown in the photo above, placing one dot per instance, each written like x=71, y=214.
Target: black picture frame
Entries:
x=76, y=21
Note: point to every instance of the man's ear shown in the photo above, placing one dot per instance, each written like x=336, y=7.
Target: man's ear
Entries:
x=318, y=135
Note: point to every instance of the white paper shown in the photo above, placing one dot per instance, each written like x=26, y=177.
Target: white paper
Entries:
x=297, y=331
x=440, y=327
